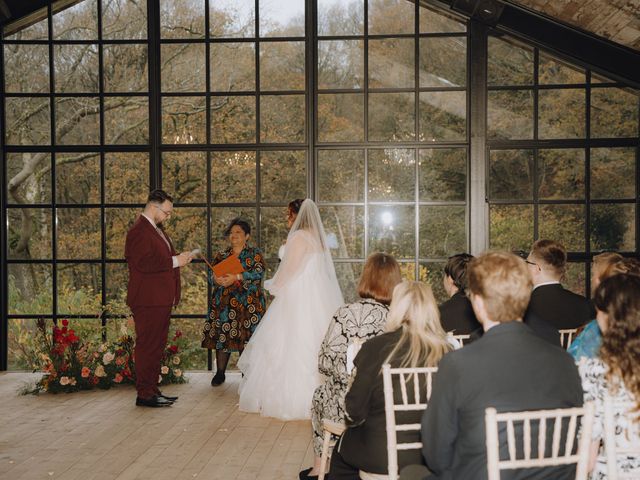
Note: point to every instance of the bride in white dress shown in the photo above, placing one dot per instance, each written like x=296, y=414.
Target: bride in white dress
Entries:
x=280, y=362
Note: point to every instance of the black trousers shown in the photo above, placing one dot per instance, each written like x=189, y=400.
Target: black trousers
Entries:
x=340, y=469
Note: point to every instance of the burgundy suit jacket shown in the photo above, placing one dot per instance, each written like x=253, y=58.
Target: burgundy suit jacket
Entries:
x=153, y=282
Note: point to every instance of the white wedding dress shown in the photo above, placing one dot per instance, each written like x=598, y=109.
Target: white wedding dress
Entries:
x=280, y=362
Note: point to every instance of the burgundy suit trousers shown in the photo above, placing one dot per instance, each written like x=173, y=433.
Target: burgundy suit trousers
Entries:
x=152, y=328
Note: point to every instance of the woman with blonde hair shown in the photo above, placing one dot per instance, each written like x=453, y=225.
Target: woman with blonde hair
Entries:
x=616, y=372
x=413, y=338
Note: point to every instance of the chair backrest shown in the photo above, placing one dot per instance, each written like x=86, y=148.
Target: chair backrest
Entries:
x=624, y=417
x=463, y=339
x=567, y=336
x=411, y=399
x=551, y=426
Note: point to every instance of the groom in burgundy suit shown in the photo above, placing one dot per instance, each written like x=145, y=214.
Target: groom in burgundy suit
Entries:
x=154, y=288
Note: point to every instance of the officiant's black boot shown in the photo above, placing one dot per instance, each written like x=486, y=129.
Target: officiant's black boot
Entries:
x=222, y=358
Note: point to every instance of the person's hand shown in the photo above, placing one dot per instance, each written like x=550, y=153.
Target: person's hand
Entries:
x=184, y=258
x=226, y=280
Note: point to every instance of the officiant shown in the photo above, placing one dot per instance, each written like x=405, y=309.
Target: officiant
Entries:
x=237, y=303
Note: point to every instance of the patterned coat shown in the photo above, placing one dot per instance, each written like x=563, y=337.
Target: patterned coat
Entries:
x=235, y=311
x=360, y=320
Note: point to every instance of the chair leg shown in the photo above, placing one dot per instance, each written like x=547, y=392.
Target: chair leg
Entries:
x=324, y=459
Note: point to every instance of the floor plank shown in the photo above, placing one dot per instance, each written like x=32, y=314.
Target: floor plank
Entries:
x=101, y=435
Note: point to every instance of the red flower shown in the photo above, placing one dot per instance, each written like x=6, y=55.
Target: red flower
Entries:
x=173, y=349
x=178, y=334
x=65, y=323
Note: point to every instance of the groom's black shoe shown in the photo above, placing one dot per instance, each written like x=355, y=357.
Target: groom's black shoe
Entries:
x=304, y=475
x=168, y=397
x=155, y=402
x=218, y=379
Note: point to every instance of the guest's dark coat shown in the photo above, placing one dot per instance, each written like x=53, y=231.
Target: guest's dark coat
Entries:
x=559, y=307
x=509, y=368
x=456, y=316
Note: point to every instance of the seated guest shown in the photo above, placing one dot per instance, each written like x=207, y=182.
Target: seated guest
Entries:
x=587, y=343
x=414, y=338
x=509, y=368
x=549, y=300
x=456, y=314
x=356, y=321
x=616, y=372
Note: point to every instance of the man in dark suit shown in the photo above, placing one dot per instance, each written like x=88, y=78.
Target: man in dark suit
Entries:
x=550, y=302
x=509, y=368
x=456, y=314
x=154, y=288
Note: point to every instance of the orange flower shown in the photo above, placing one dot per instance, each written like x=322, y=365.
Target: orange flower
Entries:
x=118, y=378
x=85, y=372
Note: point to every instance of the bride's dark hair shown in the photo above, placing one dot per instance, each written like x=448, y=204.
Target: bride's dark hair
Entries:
x=295, y=205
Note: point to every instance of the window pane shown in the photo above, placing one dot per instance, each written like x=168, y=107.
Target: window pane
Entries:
x=344, y=227
x=183, y=120
x=79, y=289
x=124, y=20
x=341, y=175
x=613, y=172
x=281, y=19
x=283, y=175
x=432, y=21
x=26, y=68
x=564, y=223
x=233, y=177
x=34, y=187
x=443, y=62
x=273, y=230
x=126, y=120
x=118, y=221
x=282, y=118
x=340, y=18
x=341, y=64
x=232, y=18
x=561, y=174
x=510, y=114
x=78, y=22
x=613, y=227
x=443, y=231
x=392, y=174
x=29, y=233
x=511, y=175
x=37, y=31
x=220, y=219
x=193, y=356
x=78, y=233
x=392, y=230
x=187, y=229
x=433, y=273
x=22, y=335
x=183, y=67
x=125, y=68
x=443, y=174
x=391, y=116
x=348, y=278
x=126, y=177
x=509, y=63
x=76, y=68
x=575, y=278
x=77, y=120
x=184, y=19
x=27, y=121
x=236, y=76
x=30, y=289
x=184, y=176
x=233, y=119
x=443, y=116
x=193, y=293
x=391, y=17
x=282, y=66
x=78, y=178
x=555, y=71
x=561, y=114
x=117, y=277
x=341, y=117
x=391, y=63
x=511, y=227
x=614, y=112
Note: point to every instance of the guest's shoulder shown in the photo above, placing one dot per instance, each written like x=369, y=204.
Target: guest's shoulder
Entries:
x=381, y=341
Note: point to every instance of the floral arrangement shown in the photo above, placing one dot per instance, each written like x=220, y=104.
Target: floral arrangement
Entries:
x=71, y=363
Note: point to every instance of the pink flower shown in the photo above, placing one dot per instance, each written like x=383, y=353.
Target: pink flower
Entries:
x=118, y=378
x=85, y=372
x=119, y=361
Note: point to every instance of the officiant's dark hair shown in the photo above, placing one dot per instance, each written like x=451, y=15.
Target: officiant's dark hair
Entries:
x=243, y=224
x=380, y=275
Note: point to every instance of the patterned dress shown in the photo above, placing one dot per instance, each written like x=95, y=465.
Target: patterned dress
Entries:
x=235, y=311
x=360, y=320
x=594, y=383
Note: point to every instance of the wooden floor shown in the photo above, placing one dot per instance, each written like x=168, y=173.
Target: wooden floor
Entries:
x=101, y=435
